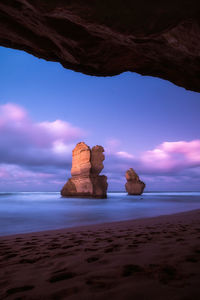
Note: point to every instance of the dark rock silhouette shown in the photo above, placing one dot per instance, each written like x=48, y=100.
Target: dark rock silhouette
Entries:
x=134, y=185
x=86, y=166
x=103, y=38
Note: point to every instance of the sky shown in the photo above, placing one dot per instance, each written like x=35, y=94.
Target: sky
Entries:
x=142, y=122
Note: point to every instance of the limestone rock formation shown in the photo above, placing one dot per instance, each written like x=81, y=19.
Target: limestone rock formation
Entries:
x=108, y=37
x=134, y=185
x=86, y=166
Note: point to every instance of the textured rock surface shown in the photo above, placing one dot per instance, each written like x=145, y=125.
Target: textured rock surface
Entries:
x=106, y=37
x=134, y=185
x=81, y=164
x=86, y=167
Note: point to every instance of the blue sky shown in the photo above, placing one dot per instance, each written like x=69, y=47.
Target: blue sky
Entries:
x=129, y=114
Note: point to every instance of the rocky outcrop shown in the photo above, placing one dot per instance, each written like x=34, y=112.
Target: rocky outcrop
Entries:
x=107, y=37
x=134, y=185
x=86, y=166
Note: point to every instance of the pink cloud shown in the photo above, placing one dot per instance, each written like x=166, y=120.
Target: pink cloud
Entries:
x=26, y=141
x=124, y=154
x=171, y=164
x=60, y=130
x=15, y=177
x=3, y=172
x=11, y=112
x=191, y=150
x=39, y=154
x=170, y=156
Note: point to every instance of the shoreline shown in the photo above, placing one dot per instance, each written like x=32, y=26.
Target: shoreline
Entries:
x=148, y=258
x=98, y=225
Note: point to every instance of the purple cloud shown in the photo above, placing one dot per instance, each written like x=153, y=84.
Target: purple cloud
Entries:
x=25, y=142
x=19, y=178
x=171, y=165
x=38, y=155
x=172, y=156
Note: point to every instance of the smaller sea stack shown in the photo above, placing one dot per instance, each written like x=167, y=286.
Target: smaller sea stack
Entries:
x=134, y=185
x=86, y=166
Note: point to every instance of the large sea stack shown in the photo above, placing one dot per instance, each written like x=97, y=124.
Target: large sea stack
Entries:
x=134, y=185
x=86, y=166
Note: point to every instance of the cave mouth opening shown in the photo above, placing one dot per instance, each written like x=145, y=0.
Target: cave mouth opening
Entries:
x=143, y=122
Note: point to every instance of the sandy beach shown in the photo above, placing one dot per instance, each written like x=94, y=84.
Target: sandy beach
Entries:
x=153, y=258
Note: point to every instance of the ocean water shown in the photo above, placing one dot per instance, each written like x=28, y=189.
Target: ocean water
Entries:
x=30, y=212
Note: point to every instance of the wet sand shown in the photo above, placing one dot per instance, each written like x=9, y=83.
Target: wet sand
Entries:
x=154, y=258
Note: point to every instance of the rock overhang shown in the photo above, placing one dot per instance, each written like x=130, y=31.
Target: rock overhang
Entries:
x=105, y=37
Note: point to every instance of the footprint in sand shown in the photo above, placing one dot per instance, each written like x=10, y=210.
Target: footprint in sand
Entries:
x=92, y=259
x=109, y=240
x=19, y=289
x=131, y=246
x=112, y=248
x=67, y=247
x=192, y=258
x=18, y=240
x=62, y=294
x=61, y=276
x=167, y=273
x=168, y=237
x=90, y=249
x=79, y=242
x=27, y=248
x=54, y=246
x=100, y=282
x=11, y=255
x=197, y=251
x=28, y=261
x=129, y=270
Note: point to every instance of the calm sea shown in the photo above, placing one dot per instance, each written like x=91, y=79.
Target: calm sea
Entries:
x=29, y=212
